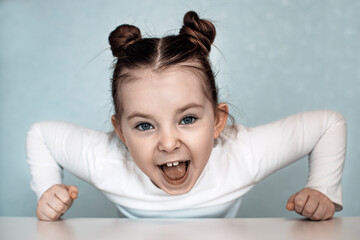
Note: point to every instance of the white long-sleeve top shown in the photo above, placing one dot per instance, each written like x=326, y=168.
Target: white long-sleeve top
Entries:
x=238, y=161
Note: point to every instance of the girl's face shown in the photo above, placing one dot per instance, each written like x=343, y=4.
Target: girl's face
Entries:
x=168, y=126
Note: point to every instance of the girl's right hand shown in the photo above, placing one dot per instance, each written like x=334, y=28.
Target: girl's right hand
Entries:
x=56, y=201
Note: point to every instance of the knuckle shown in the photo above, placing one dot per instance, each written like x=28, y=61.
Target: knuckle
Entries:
x=60, y=207
x=328, y=216
x=299, y=204
x=64, y=197
x=316, y=217
x=307, y=212
x=46, y=194
x=69, y=202
x=55, y=186
x=53, y=215
x=39, y=207
x=67, y=198
x=63, y=208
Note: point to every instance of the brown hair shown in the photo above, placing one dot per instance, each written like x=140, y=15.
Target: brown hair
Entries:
x=190, y=47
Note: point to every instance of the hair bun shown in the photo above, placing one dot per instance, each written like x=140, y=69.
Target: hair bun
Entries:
x=201, y=32
x=122, y=37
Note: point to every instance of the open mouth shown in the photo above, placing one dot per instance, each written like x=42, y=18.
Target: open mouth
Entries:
x=175, y=173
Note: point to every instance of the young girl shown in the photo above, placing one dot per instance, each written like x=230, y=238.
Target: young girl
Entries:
x=171, y=154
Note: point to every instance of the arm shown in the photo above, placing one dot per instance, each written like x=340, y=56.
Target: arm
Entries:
x=52, y=146
x=321, y=135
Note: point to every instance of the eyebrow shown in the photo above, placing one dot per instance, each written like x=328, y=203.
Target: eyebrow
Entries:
x=188, y=106
x=180, y=110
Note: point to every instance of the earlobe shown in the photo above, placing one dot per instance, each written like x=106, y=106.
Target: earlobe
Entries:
x=221, y=116
x=116, y=124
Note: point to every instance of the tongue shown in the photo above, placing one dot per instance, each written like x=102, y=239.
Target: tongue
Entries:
x=175, y=172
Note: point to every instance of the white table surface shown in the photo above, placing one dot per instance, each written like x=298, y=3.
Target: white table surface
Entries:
x=27, y=228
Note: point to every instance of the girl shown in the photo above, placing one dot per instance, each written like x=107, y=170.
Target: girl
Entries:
x=171, y=154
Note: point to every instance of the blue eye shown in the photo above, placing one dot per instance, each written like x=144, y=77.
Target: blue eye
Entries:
x=144, y=126
x=188, y=120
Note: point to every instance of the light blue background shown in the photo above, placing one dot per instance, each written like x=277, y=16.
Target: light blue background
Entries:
x=273, y=58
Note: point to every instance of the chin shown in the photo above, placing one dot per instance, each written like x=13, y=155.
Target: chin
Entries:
x=176, y=190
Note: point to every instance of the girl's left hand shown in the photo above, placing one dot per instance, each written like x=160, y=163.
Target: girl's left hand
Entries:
x=311, y=204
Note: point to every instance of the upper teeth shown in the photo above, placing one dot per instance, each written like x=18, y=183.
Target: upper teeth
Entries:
x=172, y=164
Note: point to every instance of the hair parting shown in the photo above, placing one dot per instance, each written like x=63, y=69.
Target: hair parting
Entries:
x=191, y=47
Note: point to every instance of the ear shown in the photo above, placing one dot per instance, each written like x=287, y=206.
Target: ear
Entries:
x=221, y=116
x=116, y=124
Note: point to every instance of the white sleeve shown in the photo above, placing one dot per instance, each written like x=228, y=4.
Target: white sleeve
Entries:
x=52, y=146
x=319, y=134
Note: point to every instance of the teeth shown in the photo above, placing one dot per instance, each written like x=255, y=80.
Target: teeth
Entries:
x=172, y=164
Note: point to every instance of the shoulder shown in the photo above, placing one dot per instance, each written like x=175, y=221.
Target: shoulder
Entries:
x=233, y=142
x=231, y=134
x=62, y=126
x=233, y=152
x=58, y=132
x=52, y=126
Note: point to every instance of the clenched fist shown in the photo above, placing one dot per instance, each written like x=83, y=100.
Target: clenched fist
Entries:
x=56, y=201
x=311, y=204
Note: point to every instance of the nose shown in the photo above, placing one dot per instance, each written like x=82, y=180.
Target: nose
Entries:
x=169, y=140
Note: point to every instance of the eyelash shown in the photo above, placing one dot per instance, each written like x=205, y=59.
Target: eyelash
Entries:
x=192, y=117
x=141, y=125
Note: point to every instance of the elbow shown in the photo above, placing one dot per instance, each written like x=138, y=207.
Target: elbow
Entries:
x=337, y=124
x=33, y=132
x=34, y=128
x=37, y=128
x=336, y=118
x=33, y=135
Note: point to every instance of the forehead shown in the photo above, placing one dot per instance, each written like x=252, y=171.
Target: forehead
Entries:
x=170, y=88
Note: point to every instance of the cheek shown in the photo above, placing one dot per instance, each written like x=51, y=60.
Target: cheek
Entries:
x=201, y=144
x=141, y=150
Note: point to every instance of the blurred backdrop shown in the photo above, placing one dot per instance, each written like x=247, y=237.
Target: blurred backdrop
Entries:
x=273, y=58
